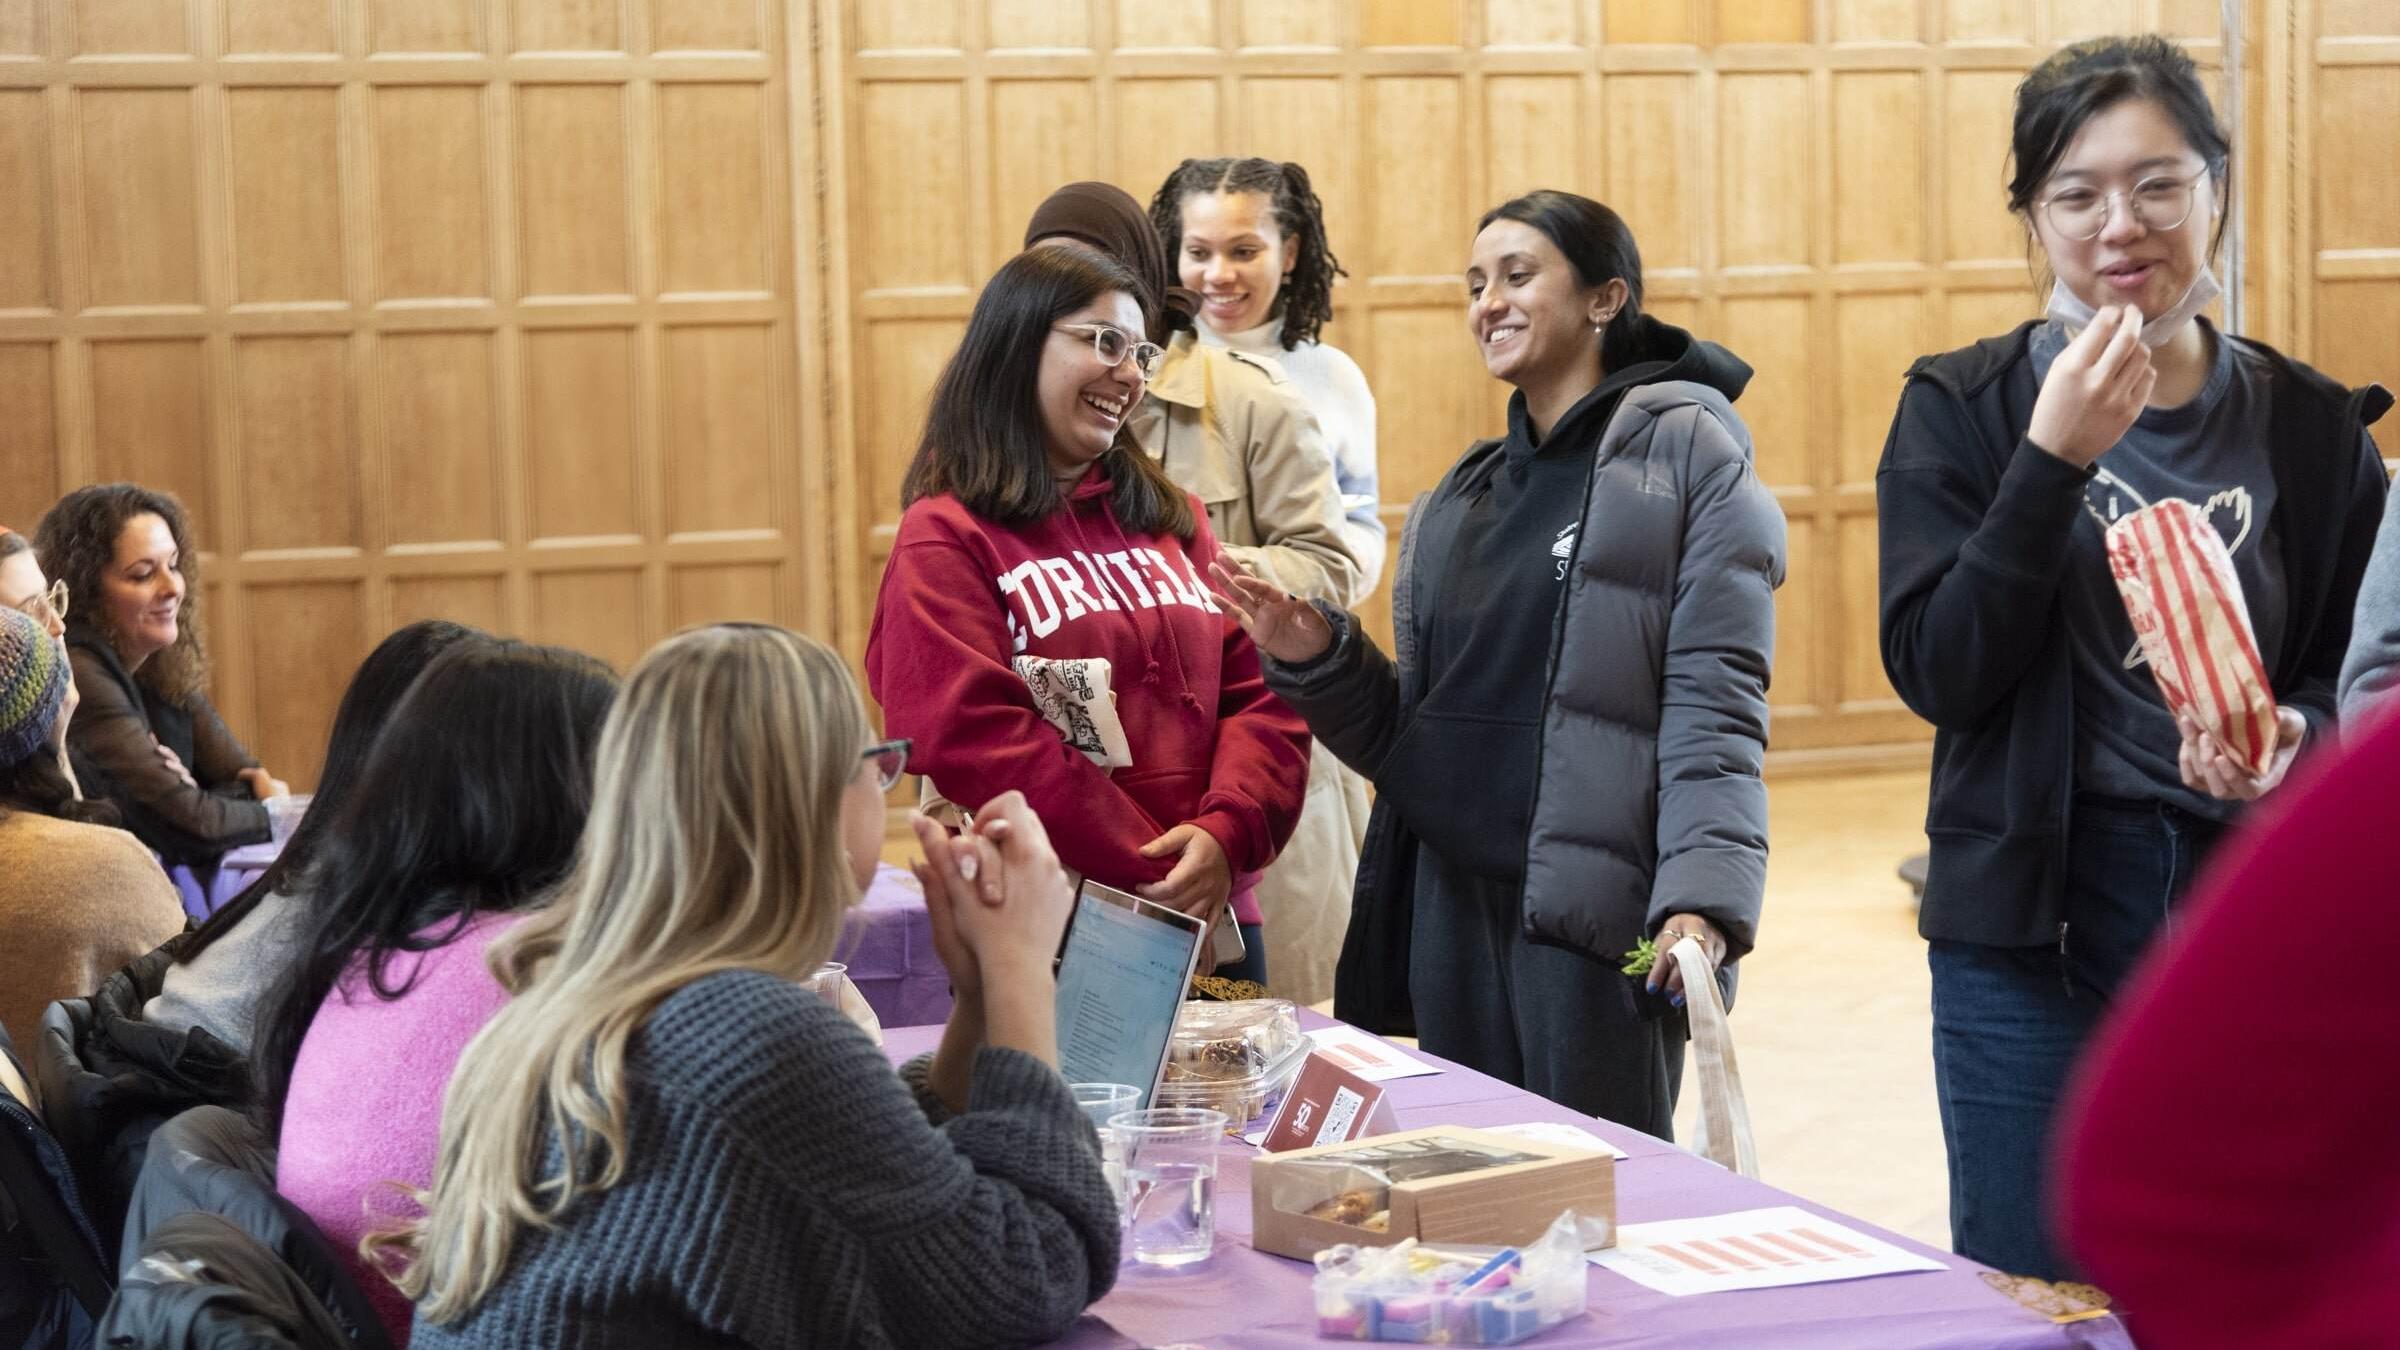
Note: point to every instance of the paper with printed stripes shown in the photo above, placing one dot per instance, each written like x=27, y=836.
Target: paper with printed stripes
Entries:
x=2180, y=590
x=1751, y=1249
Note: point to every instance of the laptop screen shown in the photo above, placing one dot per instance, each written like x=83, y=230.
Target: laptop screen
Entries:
x=1121, y=980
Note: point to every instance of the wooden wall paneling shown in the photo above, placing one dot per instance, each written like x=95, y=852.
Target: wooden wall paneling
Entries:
x=440, y=429
x=24, y=28
x=1819, y=185
x=151, y=420
x=281, y=27
x=574, y=230
x=581, y=430
x=723, y=444
x=285, y=162
x=428, y=26
x=140, y=197
x=431, y=195
x=716, y=227
x=472, y=308
x=27, y=254
x=2347, y=91
x=295, y=449
x=132, y=27
x=28, y=434
x=305, y=638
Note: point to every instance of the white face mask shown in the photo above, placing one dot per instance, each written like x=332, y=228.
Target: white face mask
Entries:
x=2157, y=331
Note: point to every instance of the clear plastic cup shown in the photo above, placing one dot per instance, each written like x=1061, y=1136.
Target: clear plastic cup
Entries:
x=1102, y=1103
x=284, y=813
x=827, y=982
x=1170, y=1160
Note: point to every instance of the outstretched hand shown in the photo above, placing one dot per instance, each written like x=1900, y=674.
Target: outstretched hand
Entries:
x=1282, y=625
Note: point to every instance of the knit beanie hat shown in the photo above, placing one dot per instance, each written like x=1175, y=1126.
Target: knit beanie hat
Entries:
x=33, y=686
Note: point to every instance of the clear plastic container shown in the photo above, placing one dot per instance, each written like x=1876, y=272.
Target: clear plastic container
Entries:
x=1452, y=1295
x=1238, y=1058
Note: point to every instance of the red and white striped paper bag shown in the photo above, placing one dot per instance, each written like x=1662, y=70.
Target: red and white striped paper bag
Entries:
x=2179, y=587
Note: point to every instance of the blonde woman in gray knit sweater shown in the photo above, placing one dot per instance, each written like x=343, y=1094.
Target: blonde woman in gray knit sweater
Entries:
x=740, y=1165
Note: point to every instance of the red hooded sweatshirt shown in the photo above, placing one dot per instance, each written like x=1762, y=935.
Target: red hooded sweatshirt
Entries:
x=963, y=596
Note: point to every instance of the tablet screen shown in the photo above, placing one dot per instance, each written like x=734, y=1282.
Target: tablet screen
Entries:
x=1121, y=980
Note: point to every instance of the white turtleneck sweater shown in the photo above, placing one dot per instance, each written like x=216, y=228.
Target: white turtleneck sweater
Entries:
x=1335, y=389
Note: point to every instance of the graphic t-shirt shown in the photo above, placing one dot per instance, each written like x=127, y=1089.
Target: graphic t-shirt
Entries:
x=2211, y=452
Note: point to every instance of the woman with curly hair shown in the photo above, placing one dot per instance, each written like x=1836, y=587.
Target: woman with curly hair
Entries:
x=146, y=736
x=1248, y=235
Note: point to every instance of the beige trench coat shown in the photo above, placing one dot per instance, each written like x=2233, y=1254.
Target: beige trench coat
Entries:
x=1229, y=429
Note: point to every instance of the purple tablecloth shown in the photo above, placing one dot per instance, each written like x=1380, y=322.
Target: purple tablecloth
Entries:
x=888, y=945
x=1241, y=1299
x=235, y=872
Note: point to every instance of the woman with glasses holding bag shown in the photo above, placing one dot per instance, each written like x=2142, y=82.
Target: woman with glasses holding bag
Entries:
x=2069, y=809
x=1044, y=625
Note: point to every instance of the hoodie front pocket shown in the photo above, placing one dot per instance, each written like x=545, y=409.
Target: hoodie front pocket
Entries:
x=1465, y=787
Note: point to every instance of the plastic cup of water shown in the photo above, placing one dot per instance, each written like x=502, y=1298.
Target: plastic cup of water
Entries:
x=1170, y=1161
x=827, y=982
x=1102, y=1103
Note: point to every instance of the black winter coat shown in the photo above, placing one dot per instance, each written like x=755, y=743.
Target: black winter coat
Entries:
x=108, y=1079
x=214, y=1257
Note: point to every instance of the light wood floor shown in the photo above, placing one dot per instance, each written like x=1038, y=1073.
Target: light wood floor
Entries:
x=1832, y=1026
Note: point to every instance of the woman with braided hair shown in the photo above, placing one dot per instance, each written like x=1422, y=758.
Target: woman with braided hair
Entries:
x=1249, y=236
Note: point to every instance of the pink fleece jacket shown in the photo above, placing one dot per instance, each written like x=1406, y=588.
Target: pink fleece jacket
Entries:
x=366, y=1100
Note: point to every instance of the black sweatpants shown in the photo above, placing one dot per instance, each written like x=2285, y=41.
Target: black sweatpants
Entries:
x=1552, y=1020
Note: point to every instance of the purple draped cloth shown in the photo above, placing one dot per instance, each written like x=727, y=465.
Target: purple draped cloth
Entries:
x=1242, y=1299
x=234, y=874
x=888, y=945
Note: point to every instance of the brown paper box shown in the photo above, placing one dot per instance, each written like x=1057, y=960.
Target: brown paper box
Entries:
x=1509, y=1204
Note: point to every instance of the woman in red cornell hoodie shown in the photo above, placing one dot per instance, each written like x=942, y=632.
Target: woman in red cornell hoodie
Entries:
x=1039, y=541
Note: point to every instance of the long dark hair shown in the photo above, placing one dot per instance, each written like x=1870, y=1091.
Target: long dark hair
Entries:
x=472, y=800
x=37, y=784
x=1305, y=301
x=2080, y=82
x=1599, y=245
x=983, y=441
x=77, y=540
x=374, y=692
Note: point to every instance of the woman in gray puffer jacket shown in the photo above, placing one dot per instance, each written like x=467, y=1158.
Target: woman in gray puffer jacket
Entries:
x=1566, y=749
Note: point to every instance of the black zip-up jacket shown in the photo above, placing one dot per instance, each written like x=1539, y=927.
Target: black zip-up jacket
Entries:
x=1975, y=522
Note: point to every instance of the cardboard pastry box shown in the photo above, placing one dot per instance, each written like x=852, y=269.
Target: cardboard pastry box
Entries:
x=1444, y=1184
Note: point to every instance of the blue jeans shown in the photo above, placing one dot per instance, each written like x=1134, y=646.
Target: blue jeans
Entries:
x=2008, y=1022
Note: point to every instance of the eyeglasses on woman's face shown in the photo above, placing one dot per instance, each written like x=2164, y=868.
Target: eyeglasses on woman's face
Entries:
x=47, y=607
x=1114, y=344
x=2158, y=204
x=890, y=759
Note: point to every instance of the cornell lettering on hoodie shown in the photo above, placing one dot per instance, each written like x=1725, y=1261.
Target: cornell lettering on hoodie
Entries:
x=964, y=596
x=1046, y=593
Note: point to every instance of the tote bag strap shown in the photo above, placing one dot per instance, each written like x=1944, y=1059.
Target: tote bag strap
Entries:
x=1724, y=1134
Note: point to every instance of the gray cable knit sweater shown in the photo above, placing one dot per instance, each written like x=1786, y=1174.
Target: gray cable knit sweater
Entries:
x=784, y=1190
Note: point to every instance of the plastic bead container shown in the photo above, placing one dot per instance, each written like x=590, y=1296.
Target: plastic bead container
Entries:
x=1238, y=1058
x=1421, y=1295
